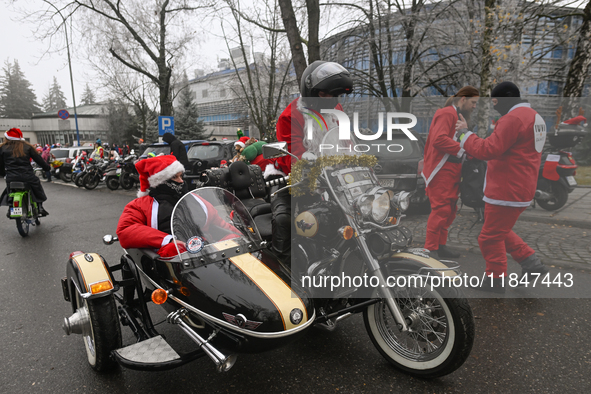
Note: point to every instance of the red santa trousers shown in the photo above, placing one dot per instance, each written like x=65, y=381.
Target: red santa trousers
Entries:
x=443, y=197
x=497, y=238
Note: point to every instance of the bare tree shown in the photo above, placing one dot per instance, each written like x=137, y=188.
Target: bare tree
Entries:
x=147, y=37
x=262, y=83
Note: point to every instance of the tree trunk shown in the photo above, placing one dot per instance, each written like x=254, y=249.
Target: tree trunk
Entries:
x=486, y=70
x=579, y=68
x=294, y=38
x=313, y=7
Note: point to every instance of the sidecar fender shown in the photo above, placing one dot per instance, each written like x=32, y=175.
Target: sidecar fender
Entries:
x=87, y=274
x=411, y=263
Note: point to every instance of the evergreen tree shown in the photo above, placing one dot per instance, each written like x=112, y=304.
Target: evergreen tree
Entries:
x=187, y=126
x=55, y=99
x=88, y=96
x=17, y=99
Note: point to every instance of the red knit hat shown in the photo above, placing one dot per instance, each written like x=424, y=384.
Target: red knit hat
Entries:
x=14, y=134
x=155, y=171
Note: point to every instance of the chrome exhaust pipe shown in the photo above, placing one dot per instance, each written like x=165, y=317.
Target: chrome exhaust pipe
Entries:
x=78, y=323
x=223, y=363
x=541, y=195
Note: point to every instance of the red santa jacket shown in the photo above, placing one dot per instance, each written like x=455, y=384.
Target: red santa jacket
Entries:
x=291, y=129
x=138, y=224
x=514, y=152
x=441, y=142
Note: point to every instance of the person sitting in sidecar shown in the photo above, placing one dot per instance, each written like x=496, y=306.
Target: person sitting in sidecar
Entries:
x=145, y=221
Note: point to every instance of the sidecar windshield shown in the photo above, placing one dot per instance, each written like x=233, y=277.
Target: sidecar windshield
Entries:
x=212, y=224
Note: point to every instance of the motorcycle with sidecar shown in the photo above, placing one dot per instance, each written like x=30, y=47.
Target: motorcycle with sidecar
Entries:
x=230, y=294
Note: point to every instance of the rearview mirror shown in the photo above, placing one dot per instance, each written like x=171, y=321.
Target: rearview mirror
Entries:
x=275, y=149
x=109, y=239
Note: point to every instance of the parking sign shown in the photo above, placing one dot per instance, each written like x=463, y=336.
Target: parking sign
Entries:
x=165, y=125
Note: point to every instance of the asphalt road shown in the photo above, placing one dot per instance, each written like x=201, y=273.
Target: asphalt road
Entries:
x=522, y=345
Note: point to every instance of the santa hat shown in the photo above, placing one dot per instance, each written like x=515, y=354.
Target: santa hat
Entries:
x=14, y=134
x=155, y=171
x=241, y=142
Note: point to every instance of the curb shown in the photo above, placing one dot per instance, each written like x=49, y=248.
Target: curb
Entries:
x=569, y=222
x=553, y=263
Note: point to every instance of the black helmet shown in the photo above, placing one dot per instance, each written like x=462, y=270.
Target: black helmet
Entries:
x=328, y=77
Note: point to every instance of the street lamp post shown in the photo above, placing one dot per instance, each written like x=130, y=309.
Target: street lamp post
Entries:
x=70, y=67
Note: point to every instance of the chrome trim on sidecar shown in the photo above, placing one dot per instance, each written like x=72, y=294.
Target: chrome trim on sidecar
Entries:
x=267, y=335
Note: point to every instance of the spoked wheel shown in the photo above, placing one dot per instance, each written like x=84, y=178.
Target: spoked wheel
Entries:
x=113, y=182
x=440, y=336
x=126, y=181
x=22, y=226
x=91, y=181
x=102, y=334
x=21, y=223
x=559, y=196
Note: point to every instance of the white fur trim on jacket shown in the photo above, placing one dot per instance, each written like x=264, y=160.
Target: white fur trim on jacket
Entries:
x=166, y=174
x=270, y=170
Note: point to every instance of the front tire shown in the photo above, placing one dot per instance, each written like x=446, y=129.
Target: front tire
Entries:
x=126, y=181
x=79, y=181
x=91, y=181
x=112, y=182
x=442, y=333
x=66, y=176
x=104, y=332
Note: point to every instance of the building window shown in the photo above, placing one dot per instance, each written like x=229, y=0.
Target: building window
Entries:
x=204, y=93
x=222, y=92
x=553, y=87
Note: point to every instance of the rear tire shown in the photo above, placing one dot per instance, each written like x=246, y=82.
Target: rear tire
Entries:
x=105, y=331
x=22, y=226
x=113, y=183
x=79, y=181
x=559, y=196
x=66, y=176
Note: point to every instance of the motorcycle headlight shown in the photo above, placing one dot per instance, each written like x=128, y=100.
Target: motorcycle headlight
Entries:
x=402, y=200
x=380, y=207
x=375, y=205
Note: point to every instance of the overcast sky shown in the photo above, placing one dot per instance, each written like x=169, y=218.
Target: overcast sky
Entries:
x=17, y=42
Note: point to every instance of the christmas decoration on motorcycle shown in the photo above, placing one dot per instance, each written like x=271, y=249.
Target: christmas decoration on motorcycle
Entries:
x=312, y=170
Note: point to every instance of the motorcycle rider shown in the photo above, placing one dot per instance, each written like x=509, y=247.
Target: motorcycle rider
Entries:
x=443, y=169
x=15, y=164
x=514, y=152
x=321, y=85
x=145, y=221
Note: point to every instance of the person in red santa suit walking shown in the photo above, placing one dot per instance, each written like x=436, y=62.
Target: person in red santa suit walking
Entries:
x=443, y=169
x=514, y=152
x=321, y=85
x=145, y=221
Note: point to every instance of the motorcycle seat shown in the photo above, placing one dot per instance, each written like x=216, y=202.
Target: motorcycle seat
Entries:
x=264, y=225
x=19, y=185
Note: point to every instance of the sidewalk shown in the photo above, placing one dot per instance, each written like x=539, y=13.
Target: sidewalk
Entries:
x=561, y=238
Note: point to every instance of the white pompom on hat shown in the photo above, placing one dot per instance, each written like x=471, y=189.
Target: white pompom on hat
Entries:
x=14, y=134
x=155, y=171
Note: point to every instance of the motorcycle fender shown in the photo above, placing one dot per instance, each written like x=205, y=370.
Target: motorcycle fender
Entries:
x=87, y=274
x=410, y=263
x=20, y=197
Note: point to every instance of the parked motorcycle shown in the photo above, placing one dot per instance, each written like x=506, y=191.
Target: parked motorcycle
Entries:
x=556, y=176
x=228, y=292
x=22, y=208
x=95, y=173
x=112, y=175
x=129, y=175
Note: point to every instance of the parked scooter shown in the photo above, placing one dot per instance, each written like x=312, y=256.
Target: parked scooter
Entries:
x=112, y=175
x=556, y=177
